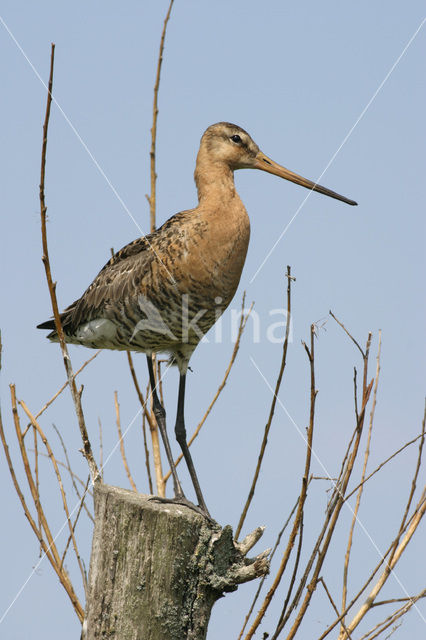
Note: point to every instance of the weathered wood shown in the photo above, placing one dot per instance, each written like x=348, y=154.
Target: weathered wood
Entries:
x=157, y=569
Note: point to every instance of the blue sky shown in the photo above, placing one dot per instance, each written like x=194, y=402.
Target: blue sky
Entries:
x=298, y=77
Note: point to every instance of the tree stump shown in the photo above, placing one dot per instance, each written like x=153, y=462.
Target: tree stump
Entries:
x=157, y=569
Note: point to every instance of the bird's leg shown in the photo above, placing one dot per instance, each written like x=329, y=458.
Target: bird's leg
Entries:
x=180, y=432
x=160, y=415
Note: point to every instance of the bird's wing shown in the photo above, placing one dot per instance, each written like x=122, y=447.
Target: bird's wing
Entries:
x=117, y=280
x=120, y=278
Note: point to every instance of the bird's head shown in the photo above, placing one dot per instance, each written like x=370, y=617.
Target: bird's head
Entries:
x=229, y=144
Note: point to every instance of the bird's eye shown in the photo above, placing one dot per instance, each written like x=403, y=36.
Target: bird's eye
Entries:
x=236, y=139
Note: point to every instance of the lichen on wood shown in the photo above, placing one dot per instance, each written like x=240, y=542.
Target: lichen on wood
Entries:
x=157, y=569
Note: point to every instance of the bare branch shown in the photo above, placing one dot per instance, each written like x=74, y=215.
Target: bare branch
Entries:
x=87, y=449
x=271, y=411
x=321, y=580
x=73, y=476
x=49, y=547
x=152, y=197
x=120, y=436
x=276, y=545
x=347, y=333
x=70, y=537
x=359, y=495
x=382, y=464
x=385, y=624
x=60, y=484
x=399, y=545
x=101, y=450
x=149, y=417
x=333, y=512
x=303, y=493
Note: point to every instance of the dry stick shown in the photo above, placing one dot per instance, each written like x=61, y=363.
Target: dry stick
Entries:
x=277, y=542
x=64, y=386
x=160, y=380
x=60, y=484
x=49, y=547
x=241, y=327
x=339, y=503
x=120, y=436
x=330, y=510
x=72, y=474
x=156, y=451
x=271, y=411
x=154, y=434
x=76, y=396
x=382, y=626
x=70, y=537
x=360, y=490
x=152, y=207
x=332, y=602
x=63, y=578
x=382, y=464
x=422, y=594
x=398, y=546
x=362, y=589
x=145, y=446
x=347, y=333
x=152, y=197
x=37, y=480
x=101, y=450
x=303, y=492
x=330, y=522
x=415, y=476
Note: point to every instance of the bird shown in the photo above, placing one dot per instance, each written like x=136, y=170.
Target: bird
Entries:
x=164, y=291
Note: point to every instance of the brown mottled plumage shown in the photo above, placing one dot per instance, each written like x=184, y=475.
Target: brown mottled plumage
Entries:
x=164, y=291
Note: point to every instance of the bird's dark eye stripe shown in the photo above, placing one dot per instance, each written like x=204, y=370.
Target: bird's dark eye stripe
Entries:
x=236, y=138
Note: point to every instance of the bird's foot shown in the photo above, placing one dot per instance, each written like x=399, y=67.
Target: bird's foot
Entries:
x=186, y=503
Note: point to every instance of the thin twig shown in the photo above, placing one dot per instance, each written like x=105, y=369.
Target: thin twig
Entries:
x=152, y=197
x=360, y=490
x=332, y=515
x=120, y=436
x=382, y=464
x=160, y=380
x=356, y=597
x=321, y=580
x=60, y=484
x=276, y=545
x=150, y=418
x=145, y=446
x=399, y=545
x=49, y=546
x=80, y=507
x=271, y=411
x=241, y=327
x=101, y=450
x=393, y=617
x=72, y=474
x=156, y=451
x=76, y=396
x=64, y=386
x=298, y=519
x=37, y=481
x=347, y=332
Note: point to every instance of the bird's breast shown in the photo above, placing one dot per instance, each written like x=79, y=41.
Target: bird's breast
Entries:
x=212, y=252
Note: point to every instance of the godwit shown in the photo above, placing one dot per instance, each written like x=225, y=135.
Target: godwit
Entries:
x=163, y=292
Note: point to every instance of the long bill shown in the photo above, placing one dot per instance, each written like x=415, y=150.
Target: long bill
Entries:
x=266, y=164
